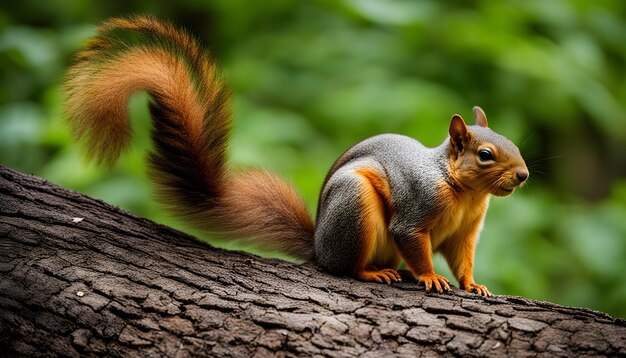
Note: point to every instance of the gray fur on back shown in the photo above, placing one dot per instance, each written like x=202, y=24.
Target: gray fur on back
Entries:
x=412, y=170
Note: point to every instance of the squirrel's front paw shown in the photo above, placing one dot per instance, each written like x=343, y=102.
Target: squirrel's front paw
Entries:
x=441, y=283
x=476, y=288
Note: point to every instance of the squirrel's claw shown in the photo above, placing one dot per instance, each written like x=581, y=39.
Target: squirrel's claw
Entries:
x=386, y=275
x=441, y=283
x=478, y=289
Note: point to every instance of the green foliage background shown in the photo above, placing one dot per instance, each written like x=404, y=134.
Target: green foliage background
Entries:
x=311, y=78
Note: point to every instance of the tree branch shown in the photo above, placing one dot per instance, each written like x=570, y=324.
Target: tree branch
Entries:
x=115, y=284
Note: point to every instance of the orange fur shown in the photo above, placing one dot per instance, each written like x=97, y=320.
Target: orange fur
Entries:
x=378, y=258
x=459, y=212
x=455, y=231
x=381, y=186
x=258, y=204
x=98, y=89
x=462, y=235
x=417, y=254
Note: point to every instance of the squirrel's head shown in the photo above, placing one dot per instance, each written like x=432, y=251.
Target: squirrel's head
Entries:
x=482, y=160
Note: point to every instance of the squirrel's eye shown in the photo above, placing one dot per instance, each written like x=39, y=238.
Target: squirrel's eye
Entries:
x=485, y=155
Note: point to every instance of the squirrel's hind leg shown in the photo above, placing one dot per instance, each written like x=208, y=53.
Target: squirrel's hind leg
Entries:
x=375, y=209
x=358, y=211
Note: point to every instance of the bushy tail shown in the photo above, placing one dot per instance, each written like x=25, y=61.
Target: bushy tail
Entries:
x=191, y=124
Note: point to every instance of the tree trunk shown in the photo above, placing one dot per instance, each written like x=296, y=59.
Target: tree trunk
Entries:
x=79, y=277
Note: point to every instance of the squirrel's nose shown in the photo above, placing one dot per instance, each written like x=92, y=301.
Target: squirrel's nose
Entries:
x=522, y=175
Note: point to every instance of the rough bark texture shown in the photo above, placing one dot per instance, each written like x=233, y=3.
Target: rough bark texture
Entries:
x=118, y=285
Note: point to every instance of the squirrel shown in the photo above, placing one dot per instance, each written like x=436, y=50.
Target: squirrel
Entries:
x=386, y=200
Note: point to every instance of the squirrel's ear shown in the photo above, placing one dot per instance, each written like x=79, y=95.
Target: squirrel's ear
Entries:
x=480, y=117
x=458, y=133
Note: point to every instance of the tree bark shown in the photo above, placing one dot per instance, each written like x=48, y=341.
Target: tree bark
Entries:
x=79, y=277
